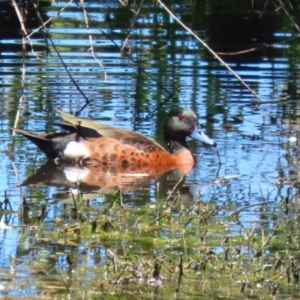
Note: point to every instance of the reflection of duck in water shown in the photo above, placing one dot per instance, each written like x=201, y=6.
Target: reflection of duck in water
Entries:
x=86, y=179
x=116, y=150
x=67, y=175
x=92, y=182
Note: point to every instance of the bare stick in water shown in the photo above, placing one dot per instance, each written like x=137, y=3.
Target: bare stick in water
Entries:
x=210, y=50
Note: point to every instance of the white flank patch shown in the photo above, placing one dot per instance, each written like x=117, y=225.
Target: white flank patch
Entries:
x=76, y=150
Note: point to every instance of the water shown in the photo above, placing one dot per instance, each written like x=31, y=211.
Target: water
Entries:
x=132, y=89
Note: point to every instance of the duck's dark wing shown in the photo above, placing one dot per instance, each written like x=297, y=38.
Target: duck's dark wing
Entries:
x=88, y=128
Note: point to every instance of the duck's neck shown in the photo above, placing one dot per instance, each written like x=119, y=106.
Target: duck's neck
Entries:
x=176, y=146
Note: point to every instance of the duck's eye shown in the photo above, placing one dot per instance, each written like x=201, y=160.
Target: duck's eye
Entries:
x=180, y=117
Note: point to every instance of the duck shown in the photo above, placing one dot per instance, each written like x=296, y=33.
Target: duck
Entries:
x=88, y=143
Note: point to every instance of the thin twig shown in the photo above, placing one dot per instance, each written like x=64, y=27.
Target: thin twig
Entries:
x=289, y=16
x=159, y=85
x=91, y=39
x=132, y=25
x=259, y=252
x=158, y=218
x=175, y=187
x=60, y=57
x=210, y=50
x=20, y=17
x=63, y=279
x=22, y=23
x=180, y=273
x=43, y=26
x=68, y=72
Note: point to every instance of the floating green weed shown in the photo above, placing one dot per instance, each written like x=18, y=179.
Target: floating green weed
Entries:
x=166, y=249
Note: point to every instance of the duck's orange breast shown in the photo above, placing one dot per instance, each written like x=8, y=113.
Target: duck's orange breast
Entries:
x=118, y=157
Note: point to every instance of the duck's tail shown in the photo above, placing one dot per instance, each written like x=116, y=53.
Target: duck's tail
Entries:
x=52, y=144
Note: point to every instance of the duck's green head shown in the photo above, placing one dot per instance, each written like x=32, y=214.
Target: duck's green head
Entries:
x=181, y=123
